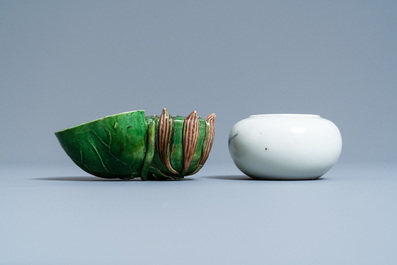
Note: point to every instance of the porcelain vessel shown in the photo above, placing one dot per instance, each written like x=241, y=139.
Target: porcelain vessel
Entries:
x=285, y=146
x=130, y=144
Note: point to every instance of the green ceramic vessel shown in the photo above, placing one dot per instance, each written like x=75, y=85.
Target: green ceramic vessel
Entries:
x=130, y=144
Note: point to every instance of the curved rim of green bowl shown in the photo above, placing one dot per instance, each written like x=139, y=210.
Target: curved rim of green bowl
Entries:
x=96, y=120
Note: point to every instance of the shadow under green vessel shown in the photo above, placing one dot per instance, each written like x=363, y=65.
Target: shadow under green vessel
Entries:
x=130, y=144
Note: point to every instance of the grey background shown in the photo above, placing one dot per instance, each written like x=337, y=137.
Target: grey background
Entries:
x=67, y=62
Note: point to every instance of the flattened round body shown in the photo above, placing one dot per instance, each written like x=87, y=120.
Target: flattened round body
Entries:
x=285, y=146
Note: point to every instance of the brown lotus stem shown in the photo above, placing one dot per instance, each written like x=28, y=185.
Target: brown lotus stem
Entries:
x=209, y=139
x=165, y=134
x=191, y=133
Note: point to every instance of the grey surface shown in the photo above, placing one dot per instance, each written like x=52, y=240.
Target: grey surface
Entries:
x=67, y=62
x=59, y=215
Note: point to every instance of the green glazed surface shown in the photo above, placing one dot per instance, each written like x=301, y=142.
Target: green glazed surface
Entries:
x=126, y=145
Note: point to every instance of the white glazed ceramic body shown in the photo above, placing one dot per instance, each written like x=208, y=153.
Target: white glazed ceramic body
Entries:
x=285, y=146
